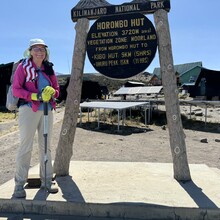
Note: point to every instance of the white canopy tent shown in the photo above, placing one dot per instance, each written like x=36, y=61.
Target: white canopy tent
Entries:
x=112, y=105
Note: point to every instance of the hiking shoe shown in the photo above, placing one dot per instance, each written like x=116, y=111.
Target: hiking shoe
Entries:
x=19, y=192
x=50, y=186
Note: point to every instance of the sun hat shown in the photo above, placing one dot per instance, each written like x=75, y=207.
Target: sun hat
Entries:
x=35, y=41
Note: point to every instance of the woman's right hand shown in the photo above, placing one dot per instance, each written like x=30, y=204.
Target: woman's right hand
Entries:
x=41, y=97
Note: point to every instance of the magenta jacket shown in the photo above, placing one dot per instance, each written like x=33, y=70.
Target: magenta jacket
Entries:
x=23, y=89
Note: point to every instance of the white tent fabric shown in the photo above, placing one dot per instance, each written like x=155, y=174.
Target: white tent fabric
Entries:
x=111, y=105
x=139, y=90
x=119, y=106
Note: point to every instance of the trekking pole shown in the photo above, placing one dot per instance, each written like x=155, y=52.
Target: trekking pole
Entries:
x=45, y=141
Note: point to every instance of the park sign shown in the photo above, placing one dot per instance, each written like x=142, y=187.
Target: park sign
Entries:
x=106, y=30
x=95, y=9
x=121, y=46
x=122, y=42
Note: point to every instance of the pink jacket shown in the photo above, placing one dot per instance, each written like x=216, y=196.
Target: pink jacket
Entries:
x=23, y=89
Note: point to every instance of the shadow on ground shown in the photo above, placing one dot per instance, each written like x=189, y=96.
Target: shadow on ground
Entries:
x=113, y=128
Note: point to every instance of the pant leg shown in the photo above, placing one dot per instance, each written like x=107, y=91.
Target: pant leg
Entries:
x=49, y=168
x=28, y=122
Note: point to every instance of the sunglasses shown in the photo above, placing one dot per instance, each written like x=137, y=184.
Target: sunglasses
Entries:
x=38, y=49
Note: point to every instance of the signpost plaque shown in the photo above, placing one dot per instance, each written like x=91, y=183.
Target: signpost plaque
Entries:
x=121, y=46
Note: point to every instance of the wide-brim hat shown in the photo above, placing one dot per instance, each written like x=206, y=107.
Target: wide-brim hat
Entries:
x=33, y=42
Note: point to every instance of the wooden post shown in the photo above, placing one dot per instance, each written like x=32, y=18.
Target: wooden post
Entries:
x=177, y=136
x=64, y=150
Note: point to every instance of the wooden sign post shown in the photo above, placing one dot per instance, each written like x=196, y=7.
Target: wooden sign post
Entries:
x=94, y=9
x=65, y=146
x=177, y=136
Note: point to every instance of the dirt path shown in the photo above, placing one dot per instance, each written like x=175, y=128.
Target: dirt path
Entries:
x=149, y=144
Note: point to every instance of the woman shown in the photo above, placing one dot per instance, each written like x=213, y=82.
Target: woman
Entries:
x=34, y=83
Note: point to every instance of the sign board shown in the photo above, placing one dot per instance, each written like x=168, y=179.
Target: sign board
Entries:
x=87, y=9
x=121, y=46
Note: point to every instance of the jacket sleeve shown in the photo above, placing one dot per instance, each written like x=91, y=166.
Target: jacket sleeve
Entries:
x=18, y=84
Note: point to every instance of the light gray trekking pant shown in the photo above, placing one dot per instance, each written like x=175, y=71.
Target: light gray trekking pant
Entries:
x=29, y=122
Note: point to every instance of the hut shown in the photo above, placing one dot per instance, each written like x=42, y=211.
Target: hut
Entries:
x=5, y=75
x=206, y=84
x=184, y=72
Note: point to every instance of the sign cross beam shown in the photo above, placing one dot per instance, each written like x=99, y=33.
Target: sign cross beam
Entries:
x=147, y=7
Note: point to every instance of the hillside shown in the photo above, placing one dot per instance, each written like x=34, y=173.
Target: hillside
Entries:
x=115, y=84
x=95, y=84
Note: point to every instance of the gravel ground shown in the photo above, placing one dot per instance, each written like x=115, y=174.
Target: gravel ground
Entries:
x=147, y=144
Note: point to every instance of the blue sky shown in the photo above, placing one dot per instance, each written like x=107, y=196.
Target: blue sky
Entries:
x=194, y=28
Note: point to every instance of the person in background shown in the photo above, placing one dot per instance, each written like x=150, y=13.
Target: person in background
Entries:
x=34, y=82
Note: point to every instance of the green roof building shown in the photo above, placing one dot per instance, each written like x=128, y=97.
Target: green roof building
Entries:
x=187, y=72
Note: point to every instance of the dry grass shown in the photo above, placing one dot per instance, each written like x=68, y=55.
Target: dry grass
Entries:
x=8, y=123
x=7, y=116
x=109, y=121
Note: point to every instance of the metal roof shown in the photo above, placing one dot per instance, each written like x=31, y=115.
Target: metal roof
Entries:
x=136, y=83
x=139, y=90
x=181, y=68
x=189, y=84
x=111, y=105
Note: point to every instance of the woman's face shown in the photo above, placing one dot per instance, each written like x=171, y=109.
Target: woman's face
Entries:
x=38, y=53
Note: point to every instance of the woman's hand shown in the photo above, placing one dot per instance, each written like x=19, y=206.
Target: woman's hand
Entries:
x=49, y=90
x=41, y=97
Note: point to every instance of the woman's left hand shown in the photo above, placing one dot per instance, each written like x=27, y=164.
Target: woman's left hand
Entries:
x=48, y=90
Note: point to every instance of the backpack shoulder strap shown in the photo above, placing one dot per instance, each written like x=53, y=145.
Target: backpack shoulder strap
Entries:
x=48, y=68
x=14, y=67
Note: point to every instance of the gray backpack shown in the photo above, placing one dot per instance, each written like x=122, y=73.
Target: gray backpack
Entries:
x=12, y=101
